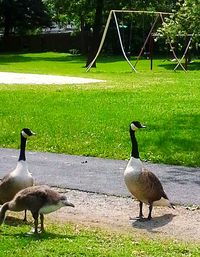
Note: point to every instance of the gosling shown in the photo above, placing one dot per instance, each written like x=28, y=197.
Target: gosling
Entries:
x=39, y=200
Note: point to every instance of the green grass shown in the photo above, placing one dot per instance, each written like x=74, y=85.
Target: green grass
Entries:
x=71, y=240
x=93, y=119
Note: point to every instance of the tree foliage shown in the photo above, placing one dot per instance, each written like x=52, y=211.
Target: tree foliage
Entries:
x=184, y=21
x=82, y=12
x=22, y=16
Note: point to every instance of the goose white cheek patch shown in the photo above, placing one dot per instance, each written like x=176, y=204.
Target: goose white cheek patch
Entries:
x=24, y=134
x=133, y=127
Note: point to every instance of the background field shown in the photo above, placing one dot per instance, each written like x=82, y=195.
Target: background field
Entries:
x=93, y=119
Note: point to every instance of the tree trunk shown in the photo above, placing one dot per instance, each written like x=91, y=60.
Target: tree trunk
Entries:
x=96, y=34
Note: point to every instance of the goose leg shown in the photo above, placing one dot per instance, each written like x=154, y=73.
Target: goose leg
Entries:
x=150, y=210
x=35, y=216
x=25, y=217
x=141, y=213
x=42, y=222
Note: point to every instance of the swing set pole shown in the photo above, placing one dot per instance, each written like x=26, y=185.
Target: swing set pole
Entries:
x=102, y=41
x=145, y=42
x=121, y=44
x=148, y=12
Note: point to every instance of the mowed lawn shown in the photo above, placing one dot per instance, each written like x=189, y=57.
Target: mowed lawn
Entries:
x=93, y=119
x=75, y=240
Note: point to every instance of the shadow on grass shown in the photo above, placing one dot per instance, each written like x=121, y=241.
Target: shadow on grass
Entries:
x=46, y=235
x=40, y=236
x=14, y=222
x=175, y=138
x=170, y=66
x=156, y=222
x=17, y=58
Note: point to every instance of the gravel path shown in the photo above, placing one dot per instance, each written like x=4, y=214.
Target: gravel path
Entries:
x=114, y=213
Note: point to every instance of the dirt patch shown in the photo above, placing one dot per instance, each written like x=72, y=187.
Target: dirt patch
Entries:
x=114, y=213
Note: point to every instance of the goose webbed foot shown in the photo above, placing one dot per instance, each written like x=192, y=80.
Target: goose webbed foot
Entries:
x=32, y=232
x=141, y=219
x=141, y=216
x=37, y=231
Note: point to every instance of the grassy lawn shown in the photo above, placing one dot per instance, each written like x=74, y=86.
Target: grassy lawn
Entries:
x=94, y=119
x=71, y=240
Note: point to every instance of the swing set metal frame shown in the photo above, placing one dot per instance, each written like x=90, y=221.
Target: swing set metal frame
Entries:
x=157, y=16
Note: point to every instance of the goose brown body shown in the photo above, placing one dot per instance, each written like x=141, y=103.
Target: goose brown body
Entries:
x=141, y=183
x=150, y=193
x=15, y=181
x=39, y=200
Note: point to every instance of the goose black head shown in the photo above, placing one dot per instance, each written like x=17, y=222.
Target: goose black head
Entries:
x=136, y=125
x=26, y=132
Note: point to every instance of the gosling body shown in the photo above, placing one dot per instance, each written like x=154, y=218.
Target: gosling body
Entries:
x=39, y=200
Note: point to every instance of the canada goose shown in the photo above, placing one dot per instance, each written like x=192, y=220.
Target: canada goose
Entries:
x=20, y=177
x=39, y=200
x=141, y=183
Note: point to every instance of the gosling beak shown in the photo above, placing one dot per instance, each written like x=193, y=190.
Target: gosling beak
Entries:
x=66, y=203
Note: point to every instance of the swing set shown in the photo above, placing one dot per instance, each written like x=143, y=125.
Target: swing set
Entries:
x=150, y=38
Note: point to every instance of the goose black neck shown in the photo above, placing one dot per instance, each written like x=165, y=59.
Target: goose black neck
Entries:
x=134, y=152
x=22, y=156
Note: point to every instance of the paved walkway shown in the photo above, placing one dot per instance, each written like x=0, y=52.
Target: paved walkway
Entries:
x=102, y=176
x=25, y=78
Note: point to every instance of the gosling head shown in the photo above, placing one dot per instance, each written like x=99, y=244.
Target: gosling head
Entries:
x=136, y=125
x=65, y=202
x=26, y=132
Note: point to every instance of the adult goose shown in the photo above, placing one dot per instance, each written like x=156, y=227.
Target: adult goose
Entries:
x=39, y=200
x=20, y=177
x=141, y=183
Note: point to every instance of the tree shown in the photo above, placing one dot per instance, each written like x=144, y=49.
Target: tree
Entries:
x=22, y=16
x=90, y=15
x=184, y=21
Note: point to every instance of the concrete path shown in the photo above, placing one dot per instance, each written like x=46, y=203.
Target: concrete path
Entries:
x=25, y=78
x=102, y=176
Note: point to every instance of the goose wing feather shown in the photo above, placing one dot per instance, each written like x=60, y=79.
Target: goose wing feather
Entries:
x=7, y=189
x=153, y=188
